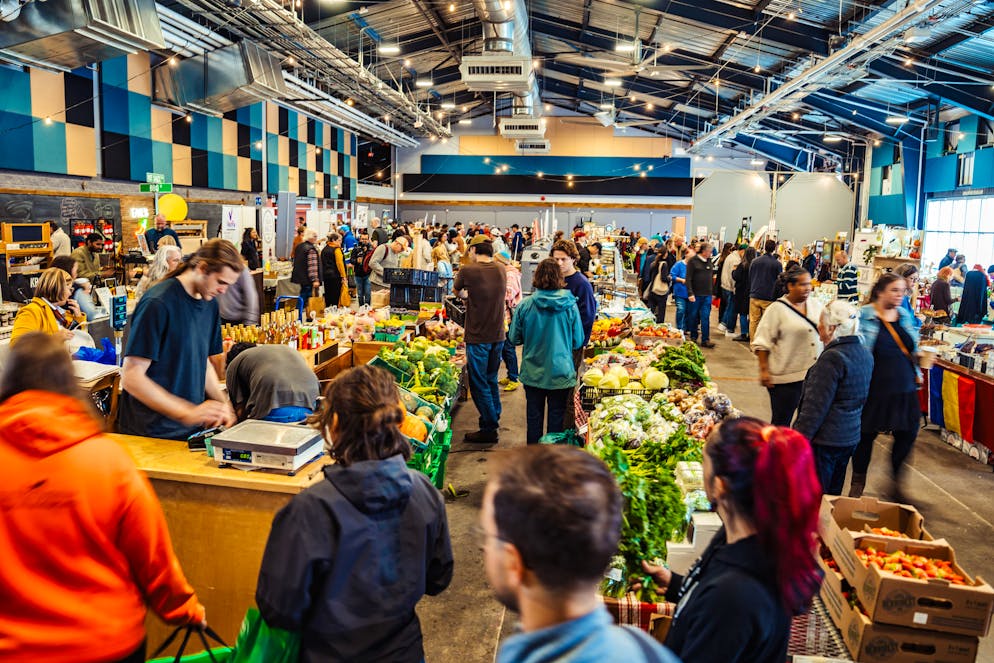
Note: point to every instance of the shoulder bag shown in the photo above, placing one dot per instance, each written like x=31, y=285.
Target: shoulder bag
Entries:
x=799, y=314
x=904, y=350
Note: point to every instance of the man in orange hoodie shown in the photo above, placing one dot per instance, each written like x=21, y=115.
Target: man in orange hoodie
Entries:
x=83, y=540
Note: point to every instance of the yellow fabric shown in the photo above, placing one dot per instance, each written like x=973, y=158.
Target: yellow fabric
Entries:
x=950, y=401
x=35, y=316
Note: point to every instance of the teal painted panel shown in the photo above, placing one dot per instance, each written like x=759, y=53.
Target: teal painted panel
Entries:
x=272, y=150
x=49, y=147
x=140, y=115
x=887, y=210
x=230, y=171
x=302, y=149
x=883, y=155
x=983, y=168
x=319, y=132
x=16, y=86
x=876, y=177
x=897, y=179
x=162, y=159
x=291, y=130
x=935, y=148
x=940, y=174
x=115, y=72
x=215, y=134
x=284, y=178
x=968, y=126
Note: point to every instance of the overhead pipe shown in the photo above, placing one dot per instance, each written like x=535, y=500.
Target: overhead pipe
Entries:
x=505, y=30
x=862, y=46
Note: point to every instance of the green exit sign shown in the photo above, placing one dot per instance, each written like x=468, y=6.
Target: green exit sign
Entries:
x=155, y=188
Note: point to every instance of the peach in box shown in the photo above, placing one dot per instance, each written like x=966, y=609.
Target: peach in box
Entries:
x=870, y=642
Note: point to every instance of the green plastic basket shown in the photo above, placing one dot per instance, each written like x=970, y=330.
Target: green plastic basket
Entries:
x=387, y=338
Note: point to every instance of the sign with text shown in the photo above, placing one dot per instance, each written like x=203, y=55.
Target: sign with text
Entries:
x=155, y=178
x=155, y=188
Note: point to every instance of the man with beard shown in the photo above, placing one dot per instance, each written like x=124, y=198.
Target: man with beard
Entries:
x=549, y=526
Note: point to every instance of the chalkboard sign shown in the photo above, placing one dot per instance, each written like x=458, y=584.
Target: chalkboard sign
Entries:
x=19, y=208
x=209, y=212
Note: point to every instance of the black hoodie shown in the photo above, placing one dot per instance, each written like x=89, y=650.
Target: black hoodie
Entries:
x=729, y=608
x=349, y=559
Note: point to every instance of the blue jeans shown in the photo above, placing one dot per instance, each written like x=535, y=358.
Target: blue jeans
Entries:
x=699, y=313
x=830, y=465
x=743, y=324
x=729, y=319
x=681, y=312
x=306, y=291
x=536, y=401
x=510, y=357
x=363, y=291
x=482, y=364
x=86, y=306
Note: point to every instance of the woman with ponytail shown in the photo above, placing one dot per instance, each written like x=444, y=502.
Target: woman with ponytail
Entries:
x=736, y=603
x=349, y=558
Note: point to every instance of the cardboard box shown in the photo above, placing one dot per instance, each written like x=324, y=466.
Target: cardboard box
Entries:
x=935, y=604
x=864, y=513
x=681, y=556
x=879, y=643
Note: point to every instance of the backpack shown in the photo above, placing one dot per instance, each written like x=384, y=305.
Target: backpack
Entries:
x=360, y=260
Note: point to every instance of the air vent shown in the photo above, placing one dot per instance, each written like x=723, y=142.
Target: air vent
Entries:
x=532, y=146
x=496, y=73
x=522, y=127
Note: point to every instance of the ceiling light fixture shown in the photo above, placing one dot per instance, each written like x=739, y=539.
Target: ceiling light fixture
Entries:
x=896, y=119
x=606, y=106
x=407, y=63
x=350, y=101
x=625, y=47
x=612, y=82
x=536, y=64
x=465, y=121
x=667, y=48
x=258, y=144
x=486, y=159
x=48, y=120
x=386, y=118
x=756, y=69
x=569, y=184
x=832, y=138
x=548, y=107
x=650, y=167
x=505, y=168
x=637, y=167
x=452, y=6
x=710, y=157
x=791, y=16
x=649, y=106
x=908, y=62
x=960, y=136
x=448, y=105
x=290, y=61
x=172, y=61
x=569, y=178
x=424, y=82
x=189, y=118
x=795, y=116
x=642, y=174
x=756, y=162
x=540, y=174
x=389, y=48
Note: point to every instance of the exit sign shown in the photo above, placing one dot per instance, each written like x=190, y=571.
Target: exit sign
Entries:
x=155, y=188
x=155, y=178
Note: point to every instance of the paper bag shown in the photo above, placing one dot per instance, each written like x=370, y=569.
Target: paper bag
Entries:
x=343, y=299
x=315, y=304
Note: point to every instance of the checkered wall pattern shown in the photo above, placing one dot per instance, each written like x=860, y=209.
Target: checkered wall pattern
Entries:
x=46, y=122
x=47, y=125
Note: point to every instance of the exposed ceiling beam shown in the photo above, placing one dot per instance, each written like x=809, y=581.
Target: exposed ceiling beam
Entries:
x=720, y=51
x=976, y=98
x=964, y=33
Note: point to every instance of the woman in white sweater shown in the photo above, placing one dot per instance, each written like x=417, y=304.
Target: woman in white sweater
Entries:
x=787, y=344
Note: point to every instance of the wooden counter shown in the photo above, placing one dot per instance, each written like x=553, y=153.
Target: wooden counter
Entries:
x=219, y=521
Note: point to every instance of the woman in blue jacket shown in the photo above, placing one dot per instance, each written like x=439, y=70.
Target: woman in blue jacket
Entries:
x=892, y=405
x=547, y=324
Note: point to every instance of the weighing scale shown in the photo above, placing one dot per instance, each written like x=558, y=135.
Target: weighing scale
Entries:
x=256, y=444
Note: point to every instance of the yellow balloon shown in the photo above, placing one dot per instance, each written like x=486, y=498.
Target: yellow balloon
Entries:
x=173, y=207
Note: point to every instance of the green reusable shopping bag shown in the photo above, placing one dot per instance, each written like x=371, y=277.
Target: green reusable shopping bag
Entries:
x=220, y=654
x=258, y=642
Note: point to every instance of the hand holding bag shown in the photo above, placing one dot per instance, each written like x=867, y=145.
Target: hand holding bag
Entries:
x=220, y=654
x=316, y=304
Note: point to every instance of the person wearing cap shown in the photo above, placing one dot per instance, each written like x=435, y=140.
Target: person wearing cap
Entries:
x=947, y=260
x=509, y=355
x=485, y=285
x=348, y=239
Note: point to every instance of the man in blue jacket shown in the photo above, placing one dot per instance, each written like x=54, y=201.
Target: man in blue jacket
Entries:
x=549, y=526
x=763, y=274
x=568, y=256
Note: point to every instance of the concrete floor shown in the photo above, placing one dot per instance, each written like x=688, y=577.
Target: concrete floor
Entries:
x=465, y=623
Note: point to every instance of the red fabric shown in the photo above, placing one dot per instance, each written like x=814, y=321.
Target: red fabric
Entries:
x=923, y=395
x=632, y=612
x=967, y=405
x=983, y=420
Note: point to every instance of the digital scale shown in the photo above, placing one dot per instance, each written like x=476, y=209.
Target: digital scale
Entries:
x=256, y=444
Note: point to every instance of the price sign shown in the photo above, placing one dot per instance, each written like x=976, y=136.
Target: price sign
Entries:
x=119, y=312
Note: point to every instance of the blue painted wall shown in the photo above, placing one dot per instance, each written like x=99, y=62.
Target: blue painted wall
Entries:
x=443, y=164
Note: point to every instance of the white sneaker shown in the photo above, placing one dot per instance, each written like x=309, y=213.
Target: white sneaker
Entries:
x=722, y=328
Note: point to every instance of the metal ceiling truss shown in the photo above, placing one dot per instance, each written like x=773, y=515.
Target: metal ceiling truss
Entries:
x=324, y=66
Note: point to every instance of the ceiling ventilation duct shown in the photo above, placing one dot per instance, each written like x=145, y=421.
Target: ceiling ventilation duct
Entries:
x=67, y=34
x=521, y=127
x=542, y=146
x=506, y=62
x=222, y=80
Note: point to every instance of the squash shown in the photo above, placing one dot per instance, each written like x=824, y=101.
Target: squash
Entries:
x=414, y=428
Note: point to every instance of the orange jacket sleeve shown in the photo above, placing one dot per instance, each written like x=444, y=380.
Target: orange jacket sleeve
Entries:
x=144, y=539
x=33, y=318
x=341, y=264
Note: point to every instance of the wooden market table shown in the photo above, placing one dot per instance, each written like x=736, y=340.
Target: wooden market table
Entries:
x=219, y=521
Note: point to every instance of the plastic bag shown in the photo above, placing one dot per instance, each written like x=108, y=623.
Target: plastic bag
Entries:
x=221, y=654
x=260, y=643
x=567, y=437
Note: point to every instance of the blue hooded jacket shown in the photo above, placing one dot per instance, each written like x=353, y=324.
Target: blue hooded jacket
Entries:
x=547, y=323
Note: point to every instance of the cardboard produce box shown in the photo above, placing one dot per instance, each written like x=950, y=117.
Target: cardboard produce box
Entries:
x=935, y=604
x=681, y=556
x=865, y=513
x=869, y=642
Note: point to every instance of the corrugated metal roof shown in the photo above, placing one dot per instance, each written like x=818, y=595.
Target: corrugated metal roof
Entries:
x=976, y=53
x=891, y=93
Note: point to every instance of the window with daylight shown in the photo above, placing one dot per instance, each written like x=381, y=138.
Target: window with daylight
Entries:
x=966, y=224
x=964, y=175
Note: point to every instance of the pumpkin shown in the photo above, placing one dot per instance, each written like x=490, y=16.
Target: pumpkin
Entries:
x=414, y=428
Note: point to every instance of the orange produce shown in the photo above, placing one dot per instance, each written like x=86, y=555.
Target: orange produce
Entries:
x=414, y=428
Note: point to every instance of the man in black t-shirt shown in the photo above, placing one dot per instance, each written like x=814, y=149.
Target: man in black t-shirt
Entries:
x=170, y=388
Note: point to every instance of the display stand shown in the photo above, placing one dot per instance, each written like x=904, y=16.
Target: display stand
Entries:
x=27, y=251
x=192, y=234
